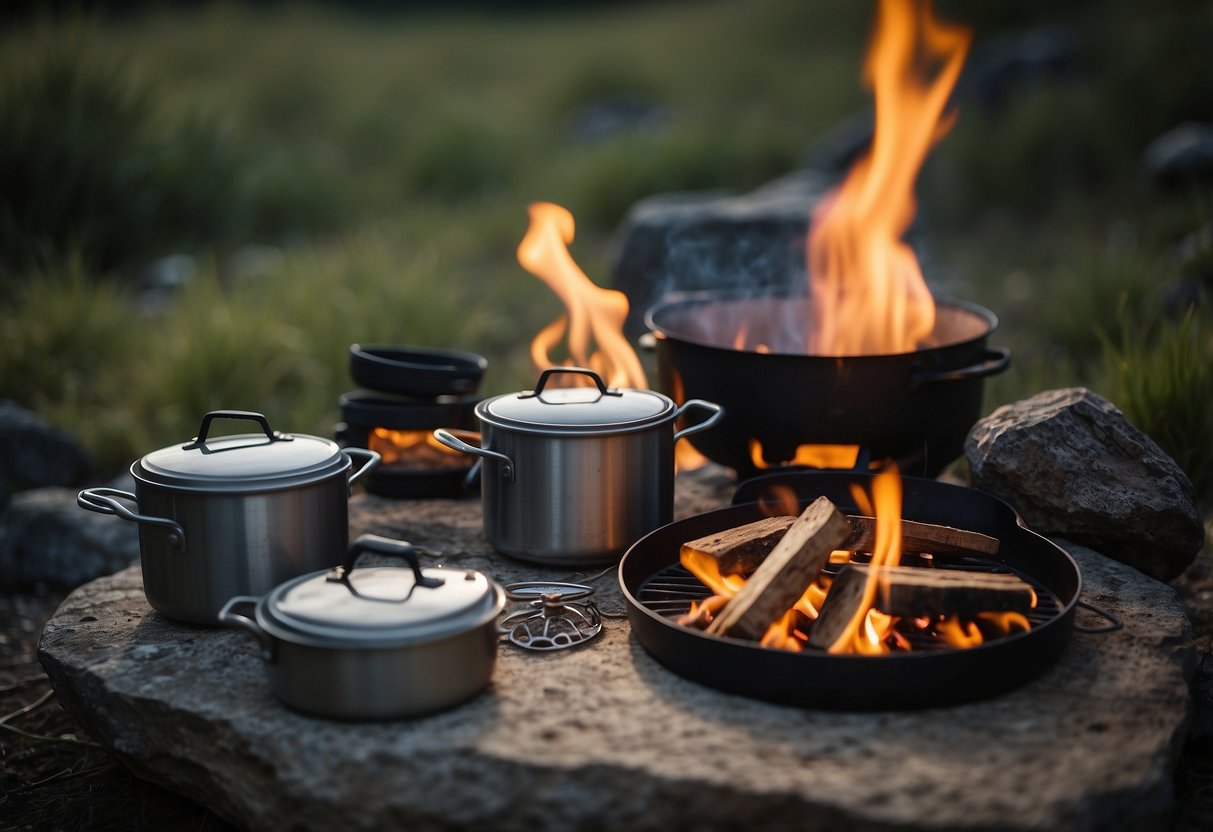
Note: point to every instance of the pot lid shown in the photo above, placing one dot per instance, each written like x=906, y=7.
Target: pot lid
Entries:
x=243, y=462
x=378, y=606
x=577, y=409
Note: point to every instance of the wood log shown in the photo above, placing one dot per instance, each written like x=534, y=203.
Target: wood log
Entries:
x=740, y=550
x=785, y=574
x=910, y=591
x=917, y=538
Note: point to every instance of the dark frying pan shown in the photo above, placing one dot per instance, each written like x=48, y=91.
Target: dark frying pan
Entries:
x=653, y=586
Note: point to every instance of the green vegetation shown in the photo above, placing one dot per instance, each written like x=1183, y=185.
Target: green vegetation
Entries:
x=336, y=177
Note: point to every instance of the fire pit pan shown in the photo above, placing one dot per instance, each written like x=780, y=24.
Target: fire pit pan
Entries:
x=815, y=679
x=919, y=404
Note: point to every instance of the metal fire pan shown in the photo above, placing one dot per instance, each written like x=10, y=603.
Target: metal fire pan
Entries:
x=815, y=679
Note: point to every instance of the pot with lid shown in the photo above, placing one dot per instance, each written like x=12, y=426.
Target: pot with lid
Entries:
x=234, y=515
x=375, y=642
x=575, y=475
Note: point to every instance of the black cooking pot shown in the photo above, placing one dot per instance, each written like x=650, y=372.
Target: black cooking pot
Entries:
x=915, y=406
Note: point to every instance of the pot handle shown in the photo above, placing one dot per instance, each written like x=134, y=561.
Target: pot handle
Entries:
x=383, y=546
x=371, y=461
x=259, y=418
x=993, y=361
x=717, y=415
x=102, y=501
x=238, y=613
x=581, y=371
x=456, y=443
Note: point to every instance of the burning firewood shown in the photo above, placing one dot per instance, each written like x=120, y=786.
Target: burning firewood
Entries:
x=908, y=591
x=917, y=538
x=785, y=573
x=740, y=550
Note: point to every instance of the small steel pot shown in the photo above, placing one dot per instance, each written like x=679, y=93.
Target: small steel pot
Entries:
x=235, y=515
x=375, y=642
x=575, y=475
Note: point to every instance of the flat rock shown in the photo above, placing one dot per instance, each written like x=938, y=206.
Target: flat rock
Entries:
x=603, y=737
x=691, y=241
x=1072, y=465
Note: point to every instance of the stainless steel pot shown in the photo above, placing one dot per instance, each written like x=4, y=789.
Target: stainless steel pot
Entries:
x=234, y=515
x=575, y=475
x=375, y=642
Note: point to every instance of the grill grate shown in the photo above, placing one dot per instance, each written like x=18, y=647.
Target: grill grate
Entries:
x=669, y=592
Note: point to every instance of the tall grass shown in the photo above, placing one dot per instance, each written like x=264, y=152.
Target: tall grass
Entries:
x=1161, y=376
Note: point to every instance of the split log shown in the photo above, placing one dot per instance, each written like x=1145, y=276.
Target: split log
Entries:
x=740, y=550
x=917, y=538
x=785, y=574
x=910, y=591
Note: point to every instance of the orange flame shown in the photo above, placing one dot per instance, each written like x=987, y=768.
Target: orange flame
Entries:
x=858, y=636
x=593, y=316
x=419, y=446
x=815, y=456
x=867, y=292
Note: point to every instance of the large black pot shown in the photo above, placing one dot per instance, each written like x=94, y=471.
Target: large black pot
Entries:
x=915, y=406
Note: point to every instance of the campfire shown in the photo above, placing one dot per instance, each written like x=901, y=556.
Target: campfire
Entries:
x=410, y=450
x=837, y=583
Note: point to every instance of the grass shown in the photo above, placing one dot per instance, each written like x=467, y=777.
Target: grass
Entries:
x=386, y=162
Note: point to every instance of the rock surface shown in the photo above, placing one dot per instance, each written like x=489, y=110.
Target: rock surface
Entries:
x=605, y=738
x=687, y=242
x=1072, y=465
x=47, y=540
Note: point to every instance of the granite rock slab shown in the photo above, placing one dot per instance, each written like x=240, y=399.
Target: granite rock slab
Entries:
x=604, y=737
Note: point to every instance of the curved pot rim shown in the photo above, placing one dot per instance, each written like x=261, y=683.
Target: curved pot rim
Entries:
x=676, y=299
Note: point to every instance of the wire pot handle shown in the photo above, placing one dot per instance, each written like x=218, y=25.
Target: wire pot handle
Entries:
x=1114, y=622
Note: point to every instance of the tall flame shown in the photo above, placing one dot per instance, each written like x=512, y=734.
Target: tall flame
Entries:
x=867, y=290
x=866, y=631
x=593, y=316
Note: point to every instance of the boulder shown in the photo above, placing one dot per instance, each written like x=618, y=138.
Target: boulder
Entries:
x=1182, y=155
x=47, y=540
x=691, y=241
x=1072, y=465
x=35, y=453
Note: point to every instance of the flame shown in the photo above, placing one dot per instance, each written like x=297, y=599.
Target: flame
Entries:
x=686, y=458
x=867, y=292
x=814, y=456
x=593, y=316
x=778, y=500
x=405, y=445
x=1007, y=622
x=959, y=633
x=886, y=551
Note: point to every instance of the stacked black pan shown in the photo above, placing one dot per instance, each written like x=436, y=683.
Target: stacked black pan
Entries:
x=407, y=392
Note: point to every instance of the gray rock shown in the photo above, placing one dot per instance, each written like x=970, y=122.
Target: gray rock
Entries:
x=684, y=242
x=605, y=738
x=47, y=540
x=1182, y=154
x=609, y=116
x=1002, y=67
x=1072, y=465
x=35, y=453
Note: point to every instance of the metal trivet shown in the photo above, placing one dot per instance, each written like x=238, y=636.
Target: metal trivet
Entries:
x=551, y=620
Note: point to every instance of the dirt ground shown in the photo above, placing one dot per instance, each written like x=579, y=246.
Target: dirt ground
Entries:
x=52, y=776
